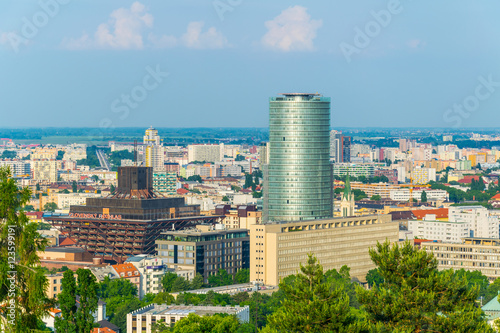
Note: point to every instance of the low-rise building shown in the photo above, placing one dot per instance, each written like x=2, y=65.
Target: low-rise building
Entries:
x=129, y=272
x=151, y=270
x=445, y=231
x=142, y=320
x=55, y=284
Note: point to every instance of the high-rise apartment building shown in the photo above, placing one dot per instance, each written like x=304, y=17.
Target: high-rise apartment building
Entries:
x=340, y=147
x=154, y=152
x=298, y=176
x=152, y=137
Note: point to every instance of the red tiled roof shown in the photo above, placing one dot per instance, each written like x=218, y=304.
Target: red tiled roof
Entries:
x=440, y=212
x=67, y=242
x=103, y=330
x=182, y=191
x=496, y=197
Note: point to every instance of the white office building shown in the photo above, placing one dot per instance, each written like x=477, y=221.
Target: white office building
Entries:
x=444, y=231
x=481, y=223
x=404, y=194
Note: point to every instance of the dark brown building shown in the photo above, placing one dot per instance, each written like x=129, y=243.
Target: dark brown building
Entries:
x=128, y=222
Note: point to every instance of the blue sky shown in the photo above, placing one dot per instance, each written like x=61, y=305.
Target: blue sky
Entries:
x=383, y=63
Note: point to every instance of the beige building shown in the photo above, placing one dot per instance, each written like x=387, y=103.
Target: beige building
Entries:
x=474, y=254
x=44, y=153
x=45, y=170
x=55, y=284
x=382, y=189
x=278, y=249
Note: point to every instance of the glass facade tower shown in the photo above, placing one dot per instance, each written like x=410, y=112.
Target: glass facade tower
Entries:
x=298, y=175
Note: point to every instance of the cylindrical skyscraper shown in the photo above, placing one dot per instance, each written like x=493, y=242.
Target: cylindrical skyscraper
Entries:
x=298, y=181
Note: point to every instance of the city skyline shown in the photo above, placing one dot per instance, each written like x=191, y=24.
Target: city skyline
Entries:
x=78, y=63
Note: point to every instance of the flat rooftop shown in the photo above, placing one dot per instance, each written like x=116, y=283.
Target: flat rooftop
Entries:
x=159, y=310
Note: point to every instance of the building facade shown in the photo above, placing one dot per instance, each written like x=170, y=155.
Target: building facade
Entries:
x=142, y=320
x=298, y=177
x=473, y=254
x=206, y=153
x=481, y=223
x=278, y=249
x=355, y=170
x=205, y=250
x=165, y=182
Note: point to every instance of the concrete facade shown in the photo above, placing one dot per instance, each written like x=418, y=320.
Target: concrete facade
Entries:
x=278, y=249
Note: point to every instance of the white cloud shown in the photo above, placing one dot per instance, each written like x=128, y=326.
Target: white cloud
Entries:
x=292, y=30
x=415, y=43
x=126, y=29
x=196, y=39
x=122, y=31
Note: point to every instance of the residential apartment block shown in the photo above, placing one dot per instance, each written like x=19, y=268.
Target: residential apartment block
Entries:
x=165, y=182
x=277, y=249
x=205, y=250
x=472, y=254
x=481, y=223
x=206, y=152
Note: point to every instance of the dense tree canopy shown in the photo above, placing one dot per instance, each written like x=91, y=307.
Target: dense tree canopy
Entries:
x=415, y=297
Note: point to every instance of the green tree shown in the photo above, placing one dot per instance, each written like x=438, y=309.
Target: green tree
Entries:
x=37, y=187
x=222, y=278
x=197, y=282
x=164, y=298
x=95, y=178
x=248, y=181
x=374, y=278
x=19, y=244
x=112, y=188
x=87, y=290
x=29, y=208
x=180, y=284
x=195, y=178
x=8, y=154
x=168, y=281
x=415, y=297
x=492, y=291
x=311, y=305
x=225, y=198
x=423, y=197
x=50, y=207
x=376, y=197
x=74, y=187
x=242, y=276
x=217, y=323
x=239, y=158
x=67, y=304
x=118, y=287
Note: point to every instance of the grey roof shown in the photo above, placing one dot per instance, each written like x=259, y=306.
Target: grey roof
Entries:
x=65, y=249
